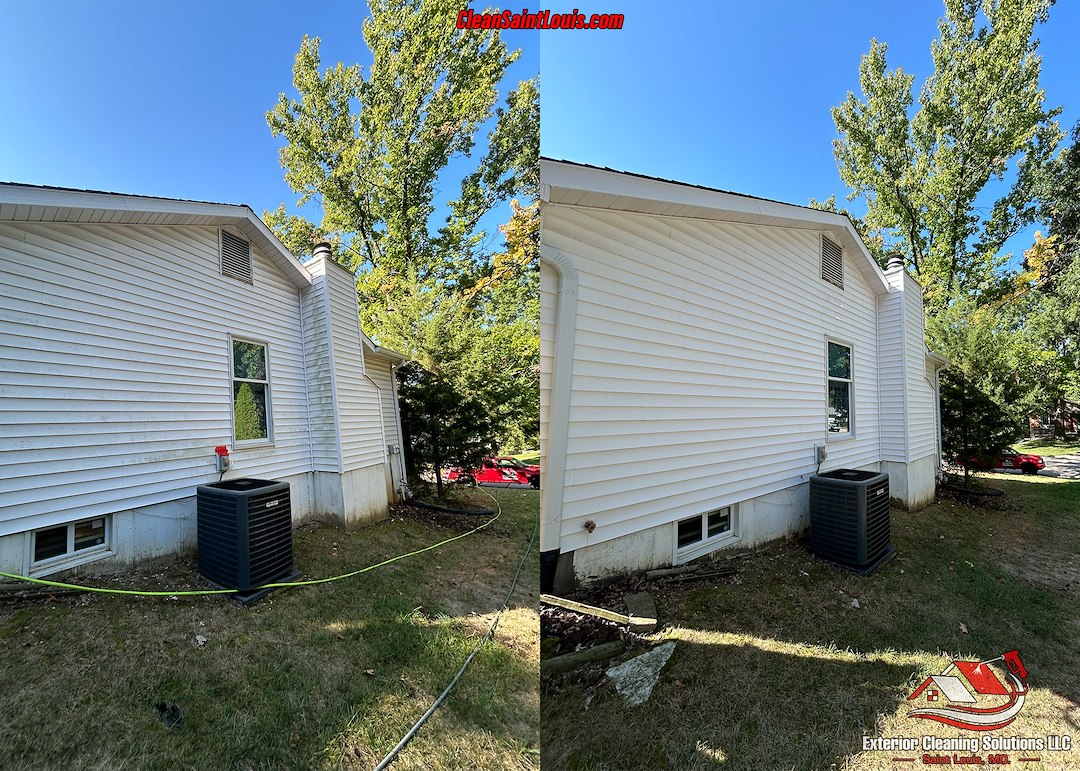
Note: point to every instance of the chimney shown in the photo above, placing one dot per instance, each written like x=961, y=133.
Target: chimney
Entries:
x=896, y=260
x=322, y=249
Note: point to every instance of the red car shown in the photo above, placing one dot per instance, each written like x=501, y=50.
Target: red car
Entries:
x=1028, y=464
x=501, y=470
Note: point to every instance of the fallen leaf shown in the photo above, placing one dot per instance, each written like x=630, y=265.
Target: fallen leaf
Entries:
x=200, y=640
x=369, y=672
x=854, y=603
x=463, y=696
x=963, y=627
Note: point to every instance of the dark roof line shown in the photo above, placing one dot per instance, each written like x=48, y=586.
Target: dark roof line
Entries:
x=126, y=195
x=682, y=184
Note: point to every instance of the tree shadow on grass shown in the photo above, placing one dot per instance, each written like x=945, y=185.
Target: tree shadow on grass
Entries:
x=737, y=706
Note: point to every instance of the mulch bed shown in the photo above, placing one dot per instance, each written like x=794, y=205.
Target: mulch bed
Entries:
x=446, y=519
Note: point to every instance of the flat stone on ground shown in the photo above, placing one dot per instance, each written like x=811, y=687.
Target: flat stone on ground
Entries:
x=642, y=611
x=636, y=678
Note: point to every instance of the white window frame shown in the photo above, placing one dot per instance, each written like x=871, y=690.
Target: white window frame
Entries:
x=70, y=558
x=269, y=440
x=706, y=544
x=833, y=436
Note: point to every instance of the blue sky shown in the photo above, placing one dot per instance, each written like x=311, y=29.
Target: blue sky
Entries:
x=736, y=95
x=166, y=98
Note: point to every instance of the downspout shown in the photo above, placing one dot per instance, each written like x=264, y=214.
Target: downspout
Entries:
x=404, y=491
x=554, y=465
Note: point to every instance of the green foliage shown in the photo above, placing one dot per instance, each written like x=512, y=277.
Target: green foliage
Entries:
x=973, y=425
x=246, y=415
x=443, y=426
x=372, y=146
x=980, y=116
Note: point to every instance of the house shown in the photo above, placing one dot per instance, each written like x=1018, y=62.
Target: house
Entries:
x=1062, y=420
x=138, y=334
x=703, y=353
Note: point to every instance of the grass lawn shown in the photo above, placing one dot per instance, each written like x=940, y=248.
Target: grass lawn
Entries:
x=533, y=456
x=1049, y=447
x=775, y=669
x=328, y=676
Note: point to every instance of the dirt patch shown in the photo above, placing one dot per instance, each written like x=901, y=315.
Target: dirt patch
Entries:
x=1054, y=570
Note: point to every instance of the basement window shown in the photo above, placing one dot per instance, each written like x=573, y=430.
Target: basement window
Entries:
x=251, y=391
x=235, y=257
x=832, y=262
x=695, y=536
x=84, y=538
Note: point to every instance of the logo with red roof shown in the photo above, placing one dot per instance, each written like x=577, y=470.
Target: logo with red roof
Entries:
x=970, y=697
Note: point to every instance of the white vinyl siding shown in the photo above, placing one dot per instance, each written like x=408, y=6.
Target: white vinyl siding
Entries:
x=381, y=372
x=698, y=366
x=892, y=377
x=921, y=399
x=909, y=427
x=549, y=287
x=114, y=368
x=320, y=384
x=359, y=409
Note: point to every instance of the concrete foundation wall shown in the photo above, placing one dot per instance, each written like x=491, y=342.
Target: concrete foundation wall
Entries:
x=912, y=485
x=757, y=521
x=153, y=531
x=364, y=492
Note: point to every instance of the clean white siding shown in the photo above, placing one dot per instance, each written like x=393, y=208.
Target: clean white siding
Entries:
x=359, y=412
x=114, y=368
x=699, y=373
x=320, y=386
x=921, y=402
x=549, y=287
x=892, y=375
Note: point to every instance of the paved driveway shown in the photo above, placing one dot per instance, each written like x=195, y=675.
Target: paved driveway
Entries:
x=1067, y=466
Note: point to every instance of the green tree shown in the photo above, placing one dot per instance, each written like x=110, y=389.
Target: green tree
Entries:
x=246, y=415
x=980, y=117
x=443, y=426
x=973, y=425
x=372, y=146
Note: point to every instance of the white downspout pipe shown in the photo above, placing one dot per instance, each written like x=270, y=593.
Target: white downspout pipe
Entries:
x=554, y=466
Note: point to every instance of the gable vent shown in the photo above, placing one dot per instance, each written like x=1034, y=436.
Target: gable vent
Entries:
x=832, y=262
x=235, y=257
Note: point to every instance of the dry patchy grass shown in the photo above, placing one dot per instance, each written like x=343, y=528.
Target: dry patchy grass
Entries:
x=775, y=668
x=327, y=676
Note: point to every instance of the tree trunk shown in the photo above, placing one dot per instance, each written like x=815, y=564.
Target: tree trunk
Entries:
x=438, y=480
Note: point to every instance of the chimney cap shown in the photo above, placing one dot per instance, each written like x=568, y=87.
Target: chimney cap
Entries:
x=896, y=260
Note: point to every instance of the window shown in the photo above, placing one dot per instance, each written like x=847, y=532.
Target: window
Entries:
x=251, y=392
x=695, y=536
x=50, y=544
x=235, y=257
x=832, y=262
x=839, y=410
